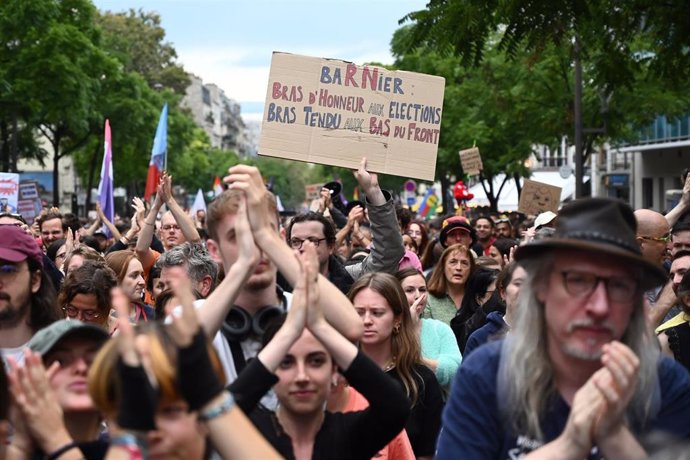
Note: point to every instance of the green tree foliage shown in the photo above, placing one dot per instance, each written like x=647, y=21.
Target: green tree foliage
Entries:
x=52, y=62
x=490, y=106
x=618, y=37
x=633, y=57
x=136, y=38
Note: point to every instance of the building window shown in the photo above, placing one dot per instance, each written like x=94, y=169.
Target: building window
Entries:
x=205, y=95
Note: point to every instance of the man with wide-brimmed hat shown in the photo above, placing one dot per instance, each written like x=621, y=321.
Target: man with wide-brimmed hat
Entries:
x=579, y=375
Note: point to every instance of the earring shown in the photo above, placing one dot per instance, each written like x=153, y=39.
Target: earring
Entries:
x=396, y=328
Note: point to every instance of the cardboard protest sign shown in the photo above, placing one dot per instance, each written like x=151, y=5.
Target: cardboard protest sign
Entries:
x=9, y=192
x=537, y=197
x=334, y=112
x=471, y=161
x=311, y=192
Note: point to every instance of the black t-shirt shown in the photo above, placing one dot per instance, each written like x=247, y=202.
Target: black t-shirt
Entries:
x=352, y=435
x=424, y=423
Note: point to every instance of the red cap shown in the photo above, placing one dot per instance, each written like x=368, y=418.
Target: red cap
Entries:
x=17, y=246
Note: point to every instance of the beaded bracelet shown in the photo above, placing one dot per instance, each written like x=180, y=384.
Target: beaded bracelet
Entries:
x=216, y=411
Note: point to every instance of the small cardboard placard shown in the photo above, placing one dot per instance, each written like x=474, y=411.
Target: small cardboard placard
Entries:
x=471, y=161
x=537, y=197
x=333, y=112
x=312, y=191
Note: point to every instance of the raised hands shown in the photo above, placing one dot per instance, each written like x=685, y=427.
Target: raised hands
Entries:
x=597, y=414
x=164, y=189
x=139, y=212
x=184, y=326
x=417, y=308
x=36, y=403
x=249, y=180
x=616, y=386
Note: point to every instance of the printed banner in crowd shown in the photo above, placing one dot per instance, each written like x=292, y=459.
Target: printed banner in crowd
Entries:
x=9, y=192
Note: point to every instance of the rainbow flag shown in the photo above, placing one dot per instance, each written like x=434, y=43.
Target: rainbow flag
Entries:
x=427, y=207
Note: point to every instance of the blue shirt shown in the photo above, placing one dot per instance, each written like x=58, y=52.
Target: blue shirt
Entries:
x=474, y=429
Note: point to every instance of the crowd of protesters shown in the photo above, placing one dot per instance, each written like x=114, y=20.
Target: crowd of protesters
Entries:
x=351, y=331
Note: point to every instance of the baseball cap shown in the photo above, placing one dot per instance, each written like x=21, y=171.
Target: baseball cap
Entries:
x=456, y=223
x=544, y=218
x=17, y=246
x=44, y=340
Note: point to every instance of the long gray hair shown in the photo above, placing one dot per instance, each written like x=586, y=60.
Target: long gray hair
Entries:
x=526, y=377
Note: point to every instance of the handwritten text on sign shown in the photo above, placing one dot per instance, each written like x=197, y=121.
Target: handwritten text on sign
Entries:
x=334, y=112
x=471, y=161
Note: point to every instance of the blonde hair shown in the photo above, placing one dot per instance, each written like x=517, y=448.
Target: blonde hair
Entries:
x=104, y=386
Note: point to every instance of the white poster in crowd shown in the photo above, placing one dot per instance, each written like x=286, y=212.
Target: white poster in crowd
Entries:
x=29, y=204
x=9, y=192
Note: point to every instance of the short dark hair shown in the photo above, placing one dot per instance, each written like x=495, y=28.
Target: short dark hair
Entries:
x=93, y=277
x=311, y=216
x=681, y=253
x=681, y=226
x=50, y=216
x=491, y=221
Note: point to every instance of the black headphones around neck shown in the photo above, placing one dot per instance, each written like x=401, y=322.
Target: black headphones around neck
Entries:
x=239, y=324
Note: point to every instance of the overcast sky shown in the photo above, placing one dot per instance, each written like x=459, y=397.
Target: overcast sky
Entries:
x=229, y=43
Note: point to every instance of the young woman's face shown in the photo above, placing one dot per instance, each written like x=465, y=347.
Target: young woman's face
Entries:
x=133, y=283
x=495, y=254
x=178, y=435
x=513, y=288
x=415, y=231
x=305, y=375
x=409, y=244
x=414, y=287
x=75, y=355
x=377, y=316
x=457, y=268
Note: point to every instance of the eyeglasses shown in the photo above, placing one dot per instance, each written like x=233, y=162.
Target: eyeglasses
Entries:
x=581, y=284
x=9, y=270
x=74, y=312
x=165, y=228
x=659, y=239
x=296, y=243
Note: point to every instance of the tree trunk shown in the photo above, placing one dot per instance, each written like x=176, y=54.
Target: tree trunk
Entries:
x=448, y=206
x=518, y=186
x=14, y=148
x=4, y=146
x=56, y=170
